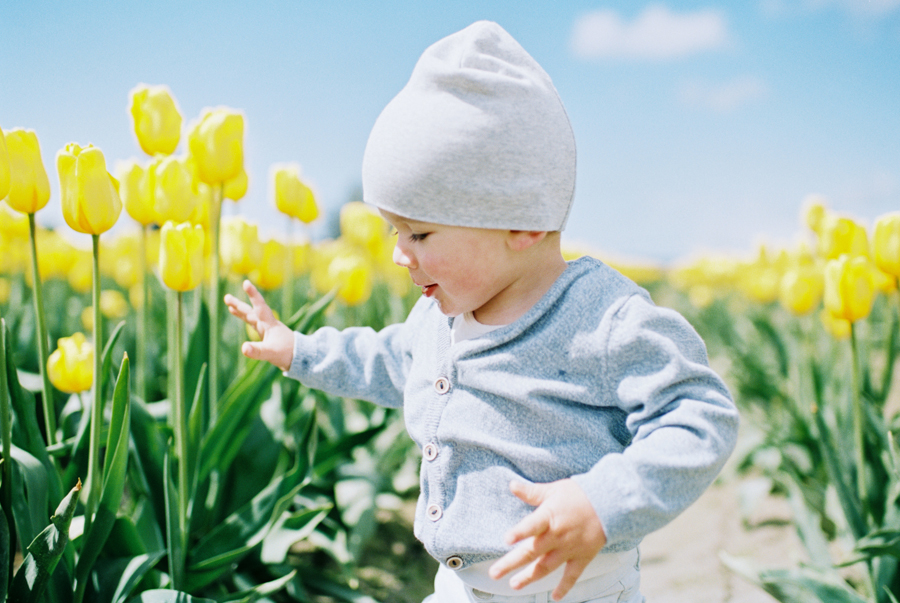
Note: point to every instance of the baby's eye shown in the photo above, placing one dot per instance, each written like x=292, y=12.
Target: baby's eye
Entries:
x=416, y=237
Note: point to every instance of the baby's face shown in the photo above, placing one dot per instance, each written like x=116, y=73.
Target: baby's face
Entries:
x=463, y=269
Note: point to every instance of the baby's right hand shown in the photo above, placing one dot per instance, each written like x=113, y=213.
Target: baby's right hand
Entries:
x=276, y=343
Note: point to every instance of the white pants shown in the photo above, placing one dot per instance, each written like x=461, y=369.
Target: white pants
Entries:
x=620, y=585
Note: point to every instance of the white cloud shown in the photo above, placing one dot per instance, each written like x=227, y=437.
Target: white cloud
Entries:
x=655, y=34
x=726, y=97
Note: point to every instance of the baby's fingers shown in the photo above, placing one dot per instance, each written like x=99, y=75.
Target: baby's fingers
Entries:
x=237, y=308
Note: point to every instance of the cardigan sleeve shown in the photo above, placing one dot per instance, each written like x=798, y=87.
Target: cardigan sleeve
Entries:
x=357, y=362
x=680, y=415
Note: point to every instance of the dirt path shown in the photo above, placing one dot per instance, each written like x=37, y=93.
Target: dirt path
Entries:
x=681, y=564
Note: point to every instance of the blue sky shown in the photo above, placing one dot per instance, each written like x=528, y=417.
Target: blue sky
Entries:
x=700, y=126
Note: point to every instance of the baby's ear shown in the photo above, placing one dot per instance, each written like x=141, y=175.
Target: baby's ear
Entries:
x=520, y=240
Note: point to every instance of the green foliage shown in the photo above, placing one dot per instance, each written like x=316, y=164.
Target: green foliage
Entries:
x=265, y=477
x=822, y=405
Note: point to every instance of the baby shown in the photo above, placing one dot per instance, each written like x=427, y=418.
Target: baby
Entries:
x=561, y=415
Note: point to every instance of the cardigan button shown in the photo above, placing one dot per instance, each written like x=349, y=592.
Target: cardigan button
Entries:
x=442, y=385
x=454, y=562
x=434, y=512
x=430, y=452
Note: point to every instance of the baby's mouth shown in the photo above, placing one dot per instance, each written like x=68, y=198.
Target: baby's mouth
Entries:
x=428, y=290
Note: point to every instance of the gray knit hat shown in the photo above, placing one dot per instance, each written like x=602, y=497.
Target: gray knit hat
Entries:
x=478, y=137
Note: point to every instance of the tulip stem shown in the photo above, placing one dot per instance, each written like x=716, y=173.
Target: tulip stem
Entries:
x=42, y=338
x=859, y=420
x=93, y=478
x=180, y=424
x=215, y=292
x=143, y=367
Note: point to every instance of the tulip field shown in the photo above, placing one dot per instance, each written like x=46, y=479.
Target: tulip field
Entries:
x=144, y=459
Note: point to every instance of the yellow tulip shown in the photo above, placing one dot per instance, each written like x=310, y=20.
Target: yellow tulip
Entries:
x=216, y=143
x=5, y=290
x=89, y=194
x=849, y=287
x=270, y=272
x=236, y=188
x=886, y=243
x=837, y=327
x=181, y=255
x=132, y=190
x=801, y=289
x=839, y=235
x=241, y=250
x=814, y=212
x=57, y=255
x=292, y=197
x=363, y=226
x=157, y=121
x=81, y=273
x=13, y=224
x=4, y=167
x=29, y=188
x=176, y=197
x=71, y=366
x=113, y=304
x=353, y=277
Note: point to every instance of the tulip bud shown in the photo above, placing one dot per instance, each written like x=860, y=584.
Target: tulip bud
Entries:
x=216, y=143
x=814, y=212
x=886, y=243
x=29, y=188
x=839, y=235
x=176, y=198
x=801, y=289
x=181, y=255
x=353, y=278
x=157, y=121
x=849, y=287
x=236, y=188
x=270, y=272
x=363, y=226
x=4, y=167
x=292, y=197
x=132, y=190
x=241, y=251
x=71, y=366
x=837, y=327
x=90, y=196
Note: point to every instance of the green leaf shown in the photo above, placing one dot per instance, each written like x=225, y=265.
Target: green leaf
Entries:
x=196, y=423
x=161, y=595
x=29, y=477
x=174, y=536
x=150, y=446
x=849, y=501
x=263, y=590
x=44, y=552
x=803, y=585
x=290, y=530
x=107, y=355
x=243, y=530
x=135, y=570
x=113, y=483
x=28, y=437
x=195, y=360
x=6, y=560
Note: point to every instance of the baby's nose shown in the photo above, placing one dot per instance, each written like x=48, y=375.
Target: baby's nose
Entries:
x=402, y=258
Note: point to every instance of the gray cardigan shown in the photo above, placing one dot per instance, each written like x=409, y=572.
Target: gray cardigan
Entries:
x=594, y=382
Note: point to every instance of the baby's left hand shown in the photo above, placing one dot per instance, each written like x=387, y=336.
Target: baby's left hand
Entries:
x=563, y=529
